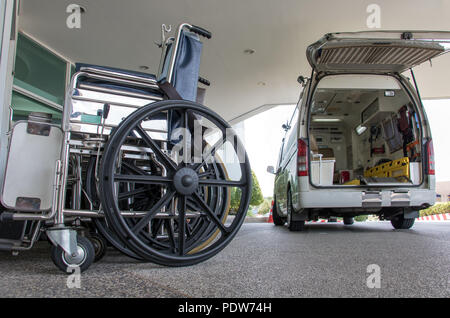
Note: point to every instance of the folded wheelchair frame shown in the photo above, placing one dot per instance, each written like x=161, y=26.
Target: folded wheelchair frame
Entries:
x=111, y=170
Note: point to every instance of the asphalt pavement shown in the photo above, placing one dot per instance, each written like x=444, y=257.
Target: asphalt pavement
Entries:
x=326, y=260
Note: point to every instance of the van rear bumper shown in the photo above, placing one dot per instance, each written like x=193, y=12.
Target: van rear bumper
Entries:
x=340, y=198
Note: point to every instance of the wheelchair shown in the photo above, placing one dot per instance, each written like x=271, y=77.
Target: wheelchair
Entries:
x=137, y=163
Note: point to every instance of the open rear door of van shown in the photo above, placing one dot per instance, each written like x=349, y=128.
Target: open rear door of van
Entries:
x=376, y=51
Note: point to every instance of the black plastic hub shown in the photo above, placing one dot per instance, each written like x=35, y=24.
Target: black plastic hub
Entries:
x=185, y=181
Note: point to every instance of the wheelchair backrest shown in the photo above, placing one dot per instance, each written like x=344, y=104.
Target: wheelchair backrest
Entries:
x=124, y=91
x=186, y=64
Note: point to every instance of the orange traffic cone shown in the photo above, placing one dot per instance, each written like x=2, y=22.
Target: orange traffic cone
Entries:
x=270, y=220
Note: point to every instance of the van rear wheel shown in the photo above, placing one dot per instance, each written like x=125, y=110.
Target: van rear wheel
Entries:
x=293, y=226
x=400, y=223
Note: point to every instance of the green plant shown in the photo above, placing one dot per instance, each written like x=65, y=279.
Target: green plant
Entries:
x=265, y=206
x=256, y=199
x=438, y=208
x=361, y=218
x=235, y=200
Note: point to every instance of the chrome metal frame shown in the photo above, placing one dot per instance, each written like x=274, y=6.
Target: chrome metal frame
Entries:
x=165, y=43
x=75, y=147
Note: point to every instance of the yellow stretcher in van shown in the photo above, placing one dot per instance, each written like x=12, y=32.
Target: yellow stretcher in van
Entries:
x=397, y=169
x=392, y=169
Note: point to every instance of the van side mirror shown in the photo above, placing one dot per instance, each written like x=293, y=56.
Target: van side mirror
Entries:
x=302, y=80
x=271, y=169
x=286, y=127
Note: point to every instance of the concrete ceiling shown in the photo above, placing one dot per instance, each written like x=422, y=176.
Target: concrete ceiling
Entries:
x=121, y=33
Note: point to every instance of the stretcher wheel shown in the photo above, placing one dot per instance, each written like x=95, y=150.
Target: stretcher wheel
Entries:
x=186, y=222
x=83, y=260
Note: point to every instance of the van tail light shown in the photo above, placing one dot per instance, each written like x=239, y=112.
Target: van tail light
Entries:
x=430, y=158
x=302, y=158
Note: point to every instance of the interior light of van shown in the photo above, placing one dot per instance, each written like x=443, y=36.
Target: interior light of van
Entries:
x=326, y=120
x=360, y=129
x=389, y=93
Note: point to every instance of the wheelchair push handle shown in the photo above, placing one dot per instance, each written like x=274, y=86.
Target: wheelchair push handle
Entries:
x=204, y=81
x=200, y=31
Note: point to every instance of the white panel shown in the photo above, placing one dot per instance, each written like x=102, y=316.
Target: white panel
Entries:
x=30, y=168
x=359, y=82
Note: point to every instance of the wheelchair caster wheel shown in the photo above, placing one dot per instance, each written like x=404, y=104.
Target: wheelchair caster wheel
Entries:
x=100, y=245
x=82, y=260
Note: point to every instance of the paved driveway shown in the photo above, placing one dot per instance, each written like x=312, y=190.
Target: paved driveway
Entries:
x=262, y=261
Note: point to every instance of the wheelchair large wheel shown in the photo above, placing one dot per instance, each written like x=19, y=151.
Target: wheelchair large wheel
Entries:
x=185, y=221
x=214, y=198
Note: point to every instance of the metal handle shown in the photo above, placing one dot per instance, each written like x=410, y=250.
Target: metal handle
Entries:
x=204, y=81
x=200, y=31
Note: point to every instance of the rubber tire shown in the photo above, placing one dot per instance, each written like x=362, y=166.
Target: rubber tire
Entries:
x=400, y=223
x=293, y=226
x=57, y=255
x=349, y=220
x=107, y=187
x=100, y=245
x=277, y=219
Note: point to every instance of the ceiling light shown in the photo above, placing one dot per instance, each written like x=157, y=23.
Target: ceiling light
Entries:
x=326, y=120
x=360, y=129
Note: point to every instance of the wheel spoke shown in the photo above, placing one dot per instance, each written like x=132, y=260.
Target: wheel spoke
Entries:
x=206, y=174
x=181, y=225
x=146, y=179
x=171, y=234
x=156, y=225
x=221, y=183
x=211, y=214
x=188, y=229
x=128, y=194
x=185, y=127
x=155, y=209
x=184, y=119
x=131, y=167
x=211, y=153
x=168, y=163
